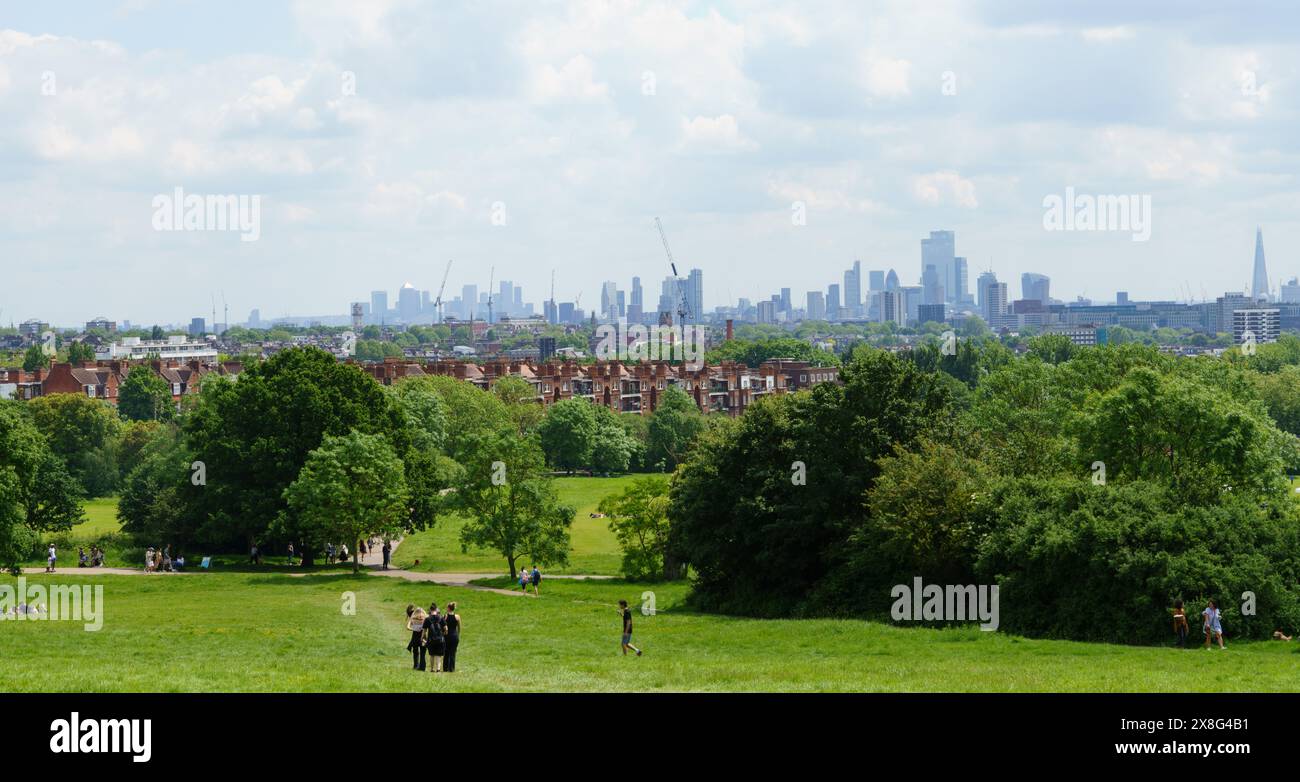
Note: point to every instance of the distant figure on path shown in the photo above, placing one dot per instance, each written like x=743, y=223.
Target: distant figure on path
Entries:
x=536, y=579
x=290, y=555
x=253, y=559
x=627, y=628
x=388, y=553
x=51, y=557
x=452, y=623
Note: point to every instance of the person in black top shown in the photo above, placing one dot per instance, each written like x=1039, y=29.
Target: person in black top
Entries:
x=451, y=621
x=388, y=551
x=627, y=628
x=434, y=642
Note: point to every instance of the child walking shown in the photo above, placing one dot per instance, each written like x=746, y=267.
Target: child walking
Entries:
x=1181, y=628
x=1212, y=626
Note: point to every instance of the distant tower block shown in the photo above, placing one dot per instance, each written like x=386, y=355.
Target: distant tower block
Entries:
x=357, y=317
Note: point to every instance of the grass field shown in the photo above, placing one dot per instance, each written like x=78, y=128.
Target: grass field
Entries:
x=101, y=518
x=246, y=632
x=595, y=550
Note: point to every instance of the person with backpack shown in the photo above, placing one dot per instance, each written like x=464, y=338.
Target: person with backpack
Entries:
x=434, y=641
x=536, y=579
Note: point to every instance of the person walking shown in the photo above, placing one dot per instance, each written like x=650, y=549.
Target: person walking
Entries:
x=290, y=555
x=388, y=553
x=415, y=623
x=453, y=624
x=536, y=579
x=627, y=628
x=434, y=640
x=52, y=556
x=1212, y=625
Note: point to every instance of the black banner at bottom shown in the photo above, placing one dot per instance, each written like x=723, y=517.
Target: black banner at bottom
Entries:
x=334, y=731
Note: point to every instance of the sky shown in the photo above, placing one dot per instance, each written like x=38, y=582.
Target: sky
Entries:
x=777, y=141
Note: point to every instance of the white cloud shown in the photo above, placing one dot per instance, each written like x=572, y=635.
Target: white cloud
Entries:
x=945, y=187
x=720, y=134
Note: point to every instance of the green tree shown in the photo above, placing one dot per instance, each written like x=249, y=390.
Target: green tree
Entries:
x=83, y=432
x=35, y=359
x=510, y=505
x=612, y=447
x=36, y=492
x=568, y=434
x=253, y=436
x=520, y=398
x=79, y=352
x=145, y=396
x=638, y=517
x=673, y=429
x=350, y=488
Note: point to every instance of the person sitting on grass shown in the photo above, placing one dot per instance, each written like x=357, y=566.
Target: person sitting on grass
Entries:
x=1279, y=636
x=627, y=628
x=1212, y=625
x=1181, y=628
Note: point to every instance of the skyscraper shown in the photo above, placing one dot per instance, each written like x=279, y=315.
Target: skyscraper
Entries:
x=1259, y=283
x=932, y=286
x=891, y=281
x=408, y=303
x=816, y=309
x=469, y=301
x=876, y=280
x=786, y=305
x=609, y=299
x=853, y=290
x=833, y=302
x=378, y=306
x=1035, y=287
x=939, y=251
x=695, y=295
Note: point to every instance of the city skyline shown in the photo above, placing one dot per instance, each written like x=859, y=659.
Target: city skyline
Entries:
x=380, y=145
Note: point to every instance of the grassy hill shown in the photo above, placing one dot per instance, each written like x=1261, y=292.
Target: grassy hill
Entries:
x=275, y=632
x=595, y=550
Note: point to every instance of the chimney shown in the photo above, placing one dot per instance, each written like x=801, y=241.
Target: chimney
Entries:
x=730, y=331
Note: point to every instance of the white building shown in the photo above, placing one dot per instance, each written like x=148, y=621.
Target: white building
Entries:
x=174, y=347
x=1264, y=323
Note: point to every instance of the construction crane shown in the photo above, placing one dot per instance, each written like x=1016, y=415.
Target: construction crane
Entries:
x=437, y=304
x=492, y=275
x=555, y=310
x=683, y=306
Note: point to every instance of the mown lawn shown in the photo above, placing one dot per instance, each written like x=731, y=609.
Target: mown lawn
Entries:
x=275, y=632
x=595, y=550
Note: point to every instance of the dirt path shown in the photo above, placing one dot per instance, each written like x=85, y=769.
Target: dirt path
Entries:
x=373, y=561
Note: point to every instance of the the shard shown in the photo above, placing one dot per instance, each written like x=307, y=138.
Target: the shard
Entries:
x=1259, y=285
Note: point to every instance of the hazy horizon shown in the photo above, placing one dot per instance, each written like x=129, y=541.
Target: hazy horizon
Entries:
x=385, y=138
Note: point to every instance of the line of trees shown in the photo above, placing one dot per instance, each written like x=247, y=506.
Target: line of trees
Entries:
x=1095, y=486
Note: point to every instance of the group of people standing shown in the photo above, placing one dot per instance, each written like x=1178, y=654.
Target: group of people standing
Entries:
x=160, y=560
x=435, y=637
